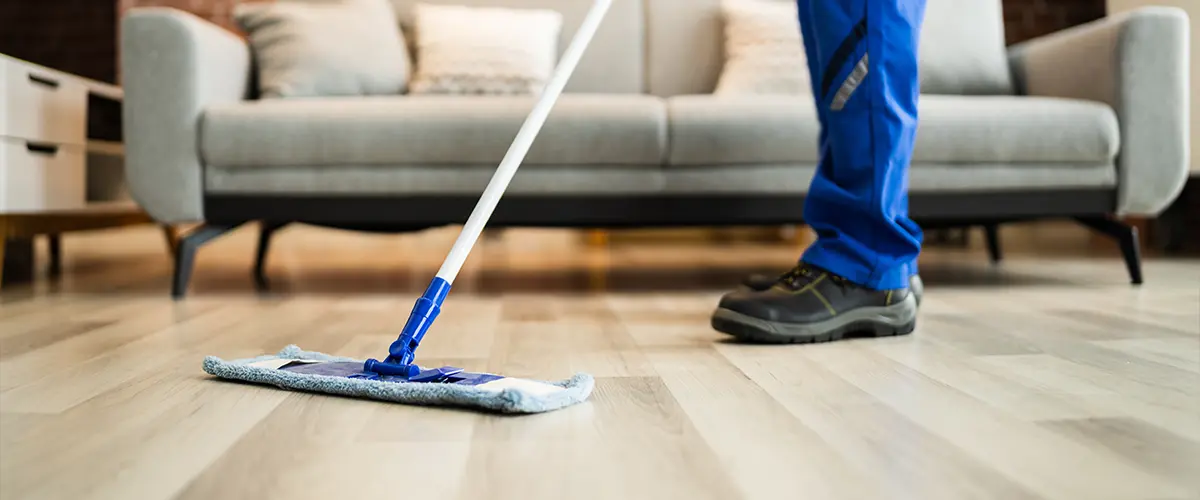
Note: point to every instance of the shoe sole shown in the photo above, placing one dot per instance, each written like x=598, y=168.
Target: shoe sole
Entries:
x=898, y=319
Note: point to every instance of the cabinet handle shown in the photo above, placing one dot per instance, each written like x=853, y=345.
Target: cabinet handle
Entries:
x=41, y=148
x=41, y=80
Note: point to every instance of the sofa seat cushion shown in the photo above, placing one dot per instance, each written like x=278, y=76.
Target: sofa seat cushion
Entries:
x=417, y=180
x=954, y=130
x=431, y=130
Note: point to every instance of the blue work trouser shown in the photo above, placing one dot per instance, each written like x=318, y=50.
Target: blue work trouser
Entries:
x=862, y=58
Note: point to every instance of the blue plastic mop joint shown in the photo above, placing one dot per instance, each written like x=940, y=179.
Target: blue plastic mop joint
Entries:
x=402, y=352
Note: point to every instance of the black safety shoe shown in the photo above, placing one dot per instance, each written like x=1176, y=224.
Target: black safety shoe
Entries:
x=765, y=281
x=809, y=304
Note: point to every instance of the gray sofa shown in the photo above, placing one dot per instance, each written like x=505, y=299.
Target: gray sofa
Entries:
x=1086, y=124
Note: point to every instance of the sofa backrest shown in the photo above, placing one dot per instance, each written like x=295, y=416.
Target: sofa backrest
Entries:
x=613, y=63
x=962, y=47
x=684, y=46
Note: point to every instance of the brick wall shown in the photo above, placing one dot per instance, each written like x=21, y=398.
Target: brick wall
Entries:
x=217, y=11
x=1025, y=19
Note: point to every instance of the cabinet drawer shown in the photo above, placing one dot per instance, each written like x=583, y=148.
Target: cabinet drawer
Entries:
x=38, y=176
x=40, y=106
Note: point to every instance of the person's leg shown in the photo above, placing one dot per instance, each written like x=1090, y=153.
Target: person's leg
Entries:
x=863, y=58
x=858, y=201
x=808, y=32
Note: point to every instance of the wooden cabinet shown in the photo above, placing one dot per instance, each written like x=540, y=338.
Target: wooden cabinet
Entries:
x=43, y=139
x=61, y=162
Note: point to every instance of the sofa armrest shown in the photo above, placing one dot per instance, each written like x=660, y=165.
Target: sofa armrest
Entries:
x=1136, y=62
x=173, y=66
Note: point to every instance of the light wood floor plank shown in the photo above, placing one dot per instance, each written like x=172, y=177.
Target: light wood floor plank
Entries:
x=764, y=447
x=1045, y=377
x=319, y=447
x=895, y=452
x=183, y=423
x=75, y=383
x=33, y=365
x=947, y=365
x=1010, y=446
x=1183, y=354
x=1057, y=375
x=635, y=442
x=1148, y=447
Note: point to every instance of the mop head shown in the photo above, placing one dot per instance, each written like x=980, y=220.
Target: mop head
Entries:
x=300, y=370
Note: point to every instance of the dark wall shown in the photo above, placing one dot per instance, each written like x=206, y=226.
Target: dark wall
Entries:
x=77, y=36
x=80, y=36
x=1025, y=19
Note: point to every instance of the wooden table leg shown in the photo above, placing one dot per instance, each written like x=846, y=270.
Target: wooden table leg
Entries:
x=3, y=244
x=16, y=254
x=55, y=241
x=18, y=260
x=18, y=231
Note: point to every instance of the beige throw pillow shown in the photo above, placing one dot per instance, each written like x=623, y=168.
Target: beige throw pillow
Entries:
x=484, y=50
x=335, y=48
x=764, y=51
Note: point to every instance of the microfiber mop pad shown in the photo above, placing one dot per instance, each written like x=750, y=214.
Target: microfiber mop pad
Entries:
x=301, y=370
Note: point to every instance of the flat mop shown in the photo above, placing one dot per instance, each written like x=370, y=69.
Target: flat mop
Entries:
x=398, y=378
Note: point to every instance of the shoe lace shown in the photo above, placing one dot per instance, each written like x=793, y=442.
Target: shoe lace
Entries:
x=799, y=276
x=804, y=274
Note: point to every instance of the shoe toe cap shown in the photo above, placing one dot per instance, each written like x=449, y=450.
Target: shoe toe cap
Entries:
x=750, y=303
x=759, y=281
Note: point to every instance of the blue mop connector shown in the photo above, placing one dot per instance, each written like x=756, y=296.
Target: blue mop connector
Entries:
x=403, y=350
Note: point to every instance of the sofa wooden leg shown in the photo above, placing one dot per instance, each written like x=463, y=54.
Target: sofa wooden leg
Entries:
x=991, y=233
x=1127, y=238
x=265, y=233
x=185, y=254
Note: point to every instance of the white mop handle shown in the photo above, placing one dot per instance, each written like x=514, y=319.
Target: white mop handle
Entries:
x=520, y=145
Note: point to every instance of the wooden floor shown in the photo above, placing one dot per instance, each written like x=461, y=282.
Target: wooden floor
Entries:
x=1047, y=376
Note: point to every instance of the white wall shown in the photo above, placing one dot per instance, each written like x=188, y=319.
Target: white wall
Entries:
x=1192, y=7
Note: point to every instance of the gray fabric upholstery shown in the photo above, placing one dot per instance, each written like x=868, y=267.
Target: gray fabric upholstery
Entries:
x=174, y=65
x=962, y=48
x=710, y=130
x=923, y=177
x=583, y=179
x=613, y=61
x=684, y=46
x=1137, y=63
x=615, y=129
x=358, y=180
x=350, y=47
x=965, y=131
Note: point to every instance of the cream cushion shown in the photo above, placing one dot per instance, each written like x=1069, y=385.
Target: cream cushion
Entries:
x=484, y=50
x=764, y=51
